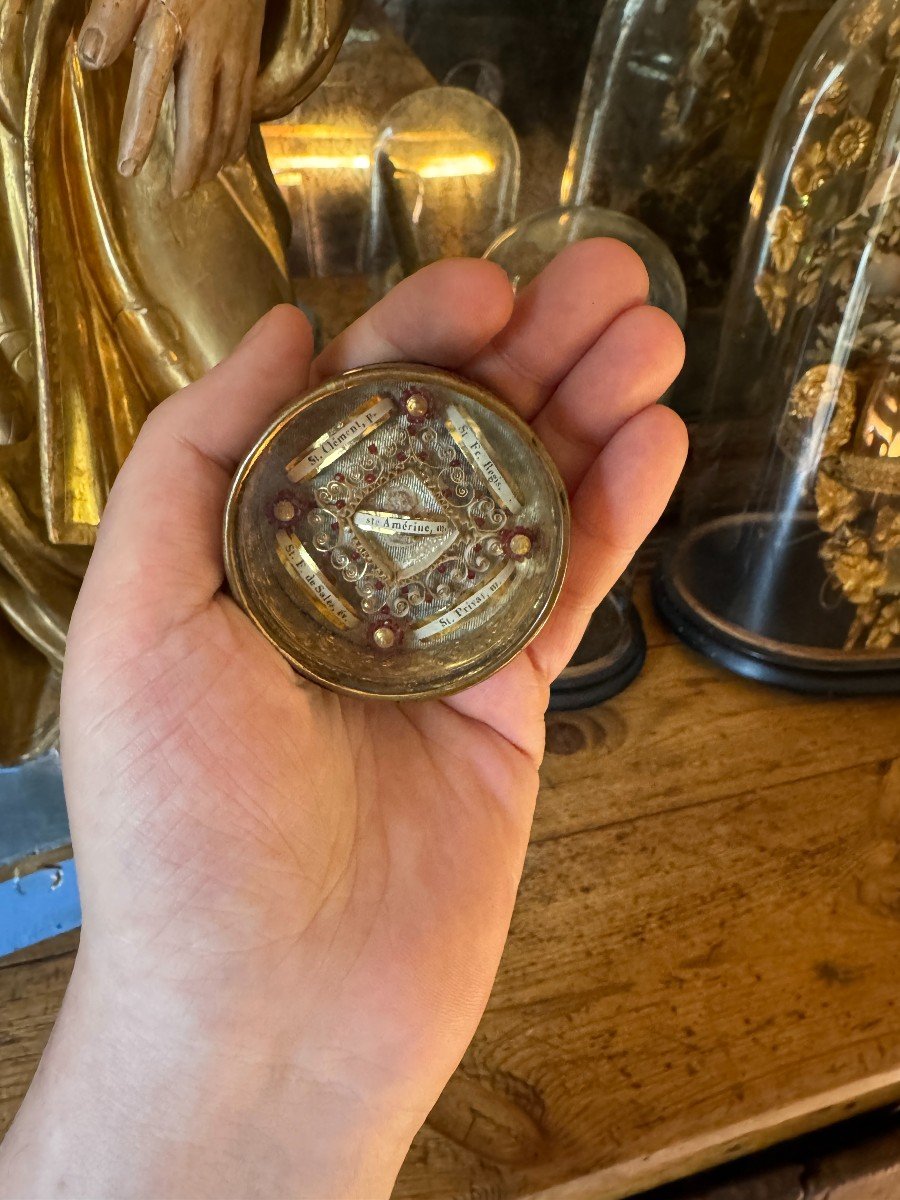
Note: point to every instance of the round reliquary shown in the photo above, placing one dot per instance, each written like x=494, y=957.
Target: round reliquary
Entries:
x=397, y=533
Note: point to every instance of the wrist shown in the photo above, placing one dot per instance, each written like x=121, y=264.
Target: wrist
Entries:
x=162, y=1094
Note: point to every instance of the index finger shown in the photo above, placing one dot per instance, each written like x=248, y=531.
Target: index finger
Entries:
x=107, y=29
x=441, y=316
x=158, y=43
x=558, y=317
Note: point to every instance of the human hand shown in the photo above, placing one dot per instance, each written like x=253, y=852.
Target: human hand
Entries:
x=211, y=47
x=295, y=902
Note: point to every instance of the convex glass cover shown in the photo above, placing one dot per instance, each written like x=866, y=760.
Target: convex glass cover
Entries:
x=399, y=532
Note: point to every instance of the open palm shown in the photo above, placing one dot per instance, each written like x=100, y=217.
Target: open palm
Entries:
x=351, y=865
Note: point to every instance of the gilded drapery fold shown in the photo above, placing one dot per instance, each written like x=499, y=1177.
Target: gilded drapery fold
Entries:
x=301, y=40
x=113, y=294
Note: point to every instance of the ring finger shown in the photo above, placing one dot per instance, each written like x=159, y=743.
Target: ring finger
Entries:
x=631, y=365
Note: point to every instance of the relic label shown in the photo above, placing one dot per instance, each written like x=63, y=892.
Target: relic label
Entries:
x=338, y=440
x=394, y=523
x=471, y=441
x=302, y=567
x=447, y=621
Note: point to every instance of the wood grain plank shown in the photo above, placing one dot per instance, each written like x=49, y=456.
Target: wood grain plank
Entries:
x=685, y=733
x=858, y=1159
x=679, y=990
x=30, y=996
x=704, y=959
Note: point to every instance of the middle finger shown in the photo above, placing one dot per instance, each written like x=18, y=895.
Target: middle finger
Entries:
x=443, y=315
x=634, y=362
x=194, y=104
x=557, y=318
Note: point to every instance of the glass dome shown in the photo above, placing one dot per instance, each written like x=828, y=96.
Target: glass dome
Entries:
x=673, y=114
x=446, y=180
x=787, y=567
x=524, y=250
x=320, y=152
x=614, y=648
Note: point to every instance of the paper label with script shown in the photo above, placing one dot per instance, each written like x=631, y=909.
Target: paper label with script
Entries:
x=338, y=440
x=448, y=620
x=303, y=568
x=401, y=544
x=474, y=446
x=395, y=524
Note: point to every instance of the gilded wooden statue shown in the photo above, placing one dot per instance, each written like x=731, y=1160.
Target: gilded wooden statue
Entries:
x=140, y=237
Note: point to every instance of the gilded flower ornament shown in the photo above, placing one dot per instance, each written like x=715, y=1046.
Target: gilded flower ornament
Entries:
x=870, y=577
x=885, y=631
x=858, y=27
x=787, y=231
x=886, y=535
x=757, y=194
x=837, y=505
x=849, y=143
x=809, y=282
x=827, y=389
x=811, y=170
x=773, y=292
x=829, y=102
x=860, y=576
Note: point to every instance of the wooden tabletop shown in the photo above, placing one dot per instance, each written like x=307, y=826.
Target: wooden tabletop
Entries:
x=705, y=956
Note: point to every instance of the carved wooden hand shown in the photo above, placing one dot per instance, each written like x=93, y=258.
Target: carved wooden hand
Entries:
x=211, y=47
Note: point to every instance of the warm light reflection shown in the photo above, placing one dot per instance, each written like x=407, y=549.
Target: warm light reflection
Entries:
x=288, y=168
x=452, y=165
x=296, y=149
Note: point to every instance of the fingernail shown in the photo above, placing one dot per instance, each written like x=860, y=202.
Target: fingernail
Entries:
x=128, y=167
x=90, y=46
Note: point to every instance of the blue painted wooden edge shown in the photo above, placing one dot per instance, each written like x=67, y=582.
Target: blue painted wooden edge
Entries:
x=44, y=903
x=32, y=811
x=38, y=906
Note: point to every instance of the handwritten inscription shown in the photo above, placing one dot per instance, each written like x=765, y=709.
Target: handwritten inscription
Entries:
x=304, y=569
x=447, y=620
x=471, y=441
x=338, y=440
x=396, y=523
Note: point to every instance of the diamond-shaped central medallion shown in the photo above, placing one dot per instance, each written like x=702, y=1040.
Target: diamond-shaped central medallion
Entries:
x=404, y=527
